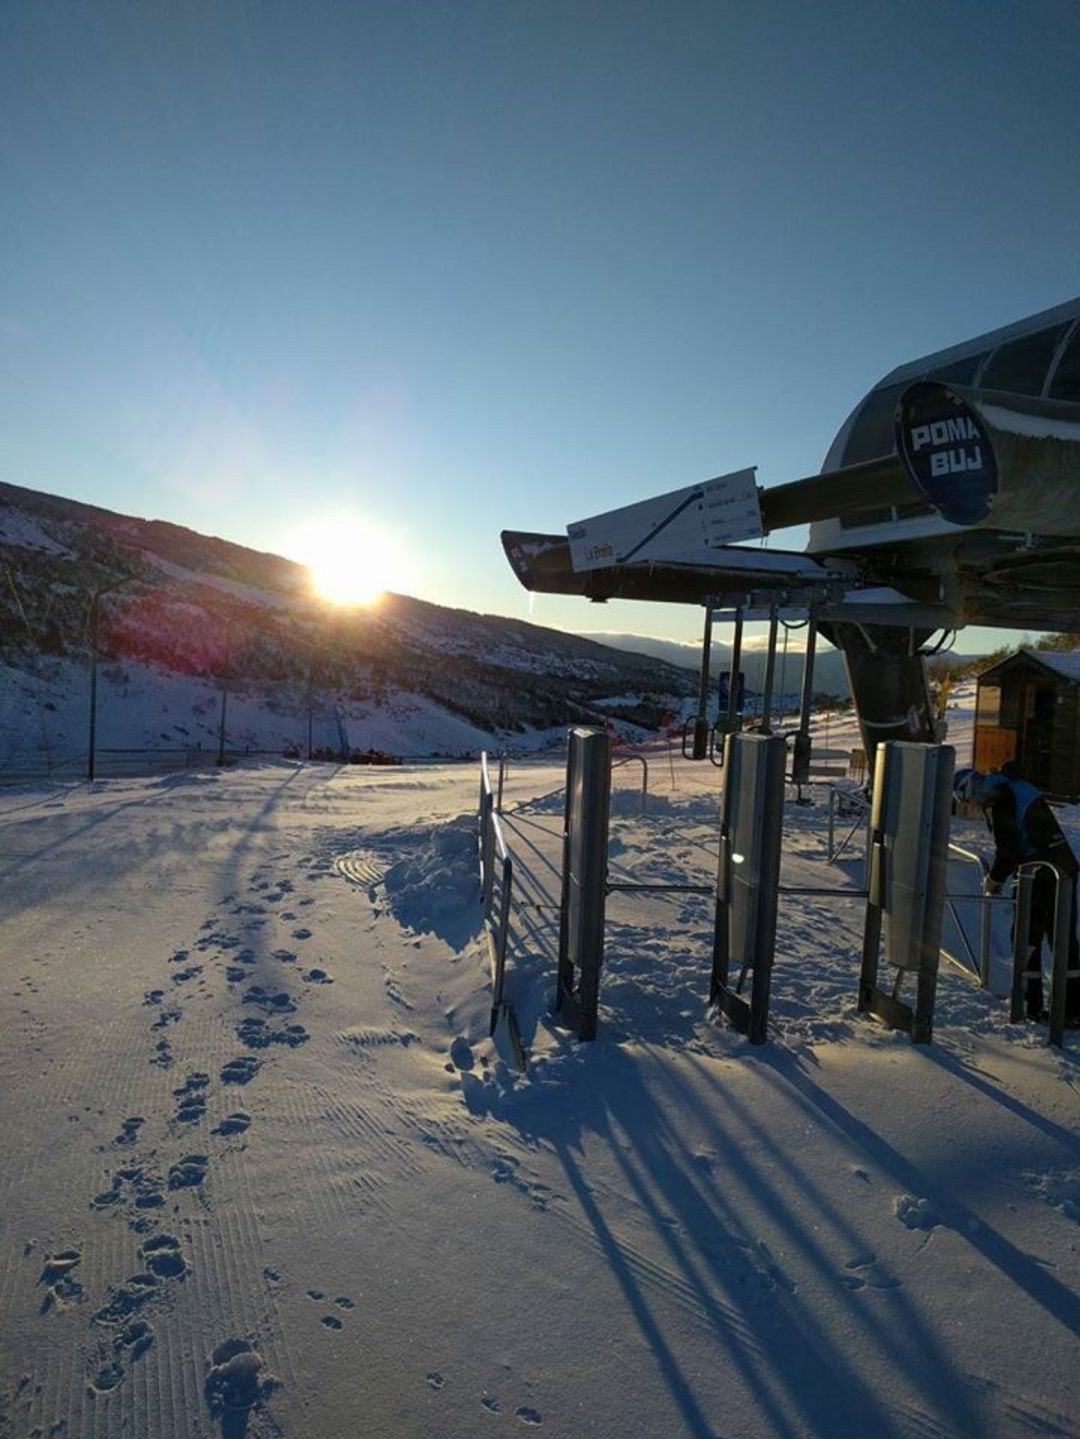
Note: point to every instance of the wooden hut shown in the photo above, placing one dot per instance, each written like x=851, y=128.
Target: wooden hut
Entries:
x=1027, y=708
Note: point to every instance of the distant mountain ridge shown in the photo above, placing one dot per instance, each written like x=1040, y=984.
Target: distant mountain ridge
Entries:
x=198, y=613
x=830, y=674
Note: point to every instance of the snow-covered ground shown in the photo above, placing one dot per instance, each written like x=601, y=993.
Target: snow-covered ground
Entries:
x=266, y=1174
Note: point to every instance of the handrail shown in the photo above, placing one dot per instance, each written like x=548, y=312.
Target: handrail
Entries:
x=1060, y=946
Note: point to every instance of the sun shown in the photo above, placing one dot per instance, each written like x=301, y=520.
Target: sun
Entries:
x=351, y=562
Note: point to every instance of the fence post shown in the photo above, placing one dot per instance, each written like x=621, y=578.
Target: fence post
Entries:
x=487, y=852
x=1025, y=879
x=1064, y=919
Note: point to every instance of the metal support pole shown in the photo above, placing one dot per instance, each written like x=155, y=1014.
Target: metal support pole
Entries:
x=701, y=723
x=1064, y=919
x=731, y=723
x=800, y=766
x=221, y=725
x=93, y=700
x=1025, y=879
x=93, y=617
x=985, y=919
x=770, y=672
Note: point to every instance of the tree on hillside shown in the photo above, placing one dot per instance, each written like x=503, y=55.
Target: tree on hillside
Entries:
x=1069, y=640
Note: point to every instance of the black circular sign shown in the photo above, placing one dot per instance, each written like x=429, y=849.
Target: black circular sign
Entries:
x=946, y=452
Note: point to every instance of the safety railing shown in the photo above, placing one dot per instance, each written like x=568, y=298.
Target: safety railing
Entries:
x=975, y=964
x=1062, y=943
x=496, y=888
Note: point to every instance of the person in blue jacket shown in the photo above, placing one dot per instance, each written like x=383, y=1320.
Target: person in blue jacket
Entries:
x=1024, y=828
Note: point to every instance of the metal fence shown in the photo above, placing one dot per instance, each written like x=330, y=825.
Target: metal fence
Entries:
x=110, y=763
x=496, y=889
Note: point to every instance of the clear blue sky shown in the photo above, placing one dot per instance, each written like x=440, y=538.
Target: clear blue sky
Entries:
x=462, y=266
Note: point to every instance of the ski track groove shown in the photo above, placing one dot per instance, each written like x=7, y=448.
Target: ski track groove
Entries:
x=65, y=1394
x=344, y=1170
x=354, y=1118
x=190, y=1368
x=439, y=1136
x=168, y=1404
x=246, y=1252
x=329, y=1197
x=274, y=1324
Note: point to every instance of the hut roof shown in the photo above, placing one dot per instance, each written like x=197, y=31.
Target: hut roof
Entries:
x=1062, y=664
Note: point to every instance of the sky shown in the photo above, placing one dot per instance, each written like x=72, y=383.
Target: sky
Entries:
x=440, y=269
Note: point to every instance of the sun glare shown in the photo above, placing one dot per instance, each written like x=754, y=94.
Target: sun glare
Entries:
x=351, y=563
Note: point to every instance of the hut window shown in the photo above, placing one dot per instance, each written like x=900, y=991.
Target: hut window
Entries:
x=989, y=705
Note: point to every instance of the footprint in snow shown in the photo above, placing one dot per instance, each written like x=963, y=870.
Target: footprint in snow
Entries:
x=331, y=1321
x=163, y=1258
x=917, y=1213
x=126, y=1299
x=162, y=1054
x=240, y=1071
x=772, y=1273
x=105, y=1379
x=864, y=1272
x=189, y=1172
x=530, y=1416
x=61, y=1286
x=129, y=1130
x=134, y=1339
x=234, y=1123
x=256, y=1034
x=461, y=1053
x=235, y=1383
x=435, y=1380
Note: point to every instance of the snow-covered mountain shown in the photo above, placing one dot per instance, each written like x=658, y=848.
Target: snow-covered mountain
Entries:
x=182, y=617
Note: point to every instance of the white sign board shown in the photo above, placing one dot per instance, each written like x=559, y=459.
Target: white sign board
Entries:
x=683, y=525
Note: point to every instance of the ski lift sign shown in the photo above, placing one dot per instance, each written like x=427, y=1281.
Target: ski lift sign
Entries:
x=683, y=526
x=946, y=452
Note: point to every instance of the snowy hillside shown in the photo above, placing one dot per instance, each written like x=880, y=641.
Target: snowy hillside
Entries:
x=182, y=617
